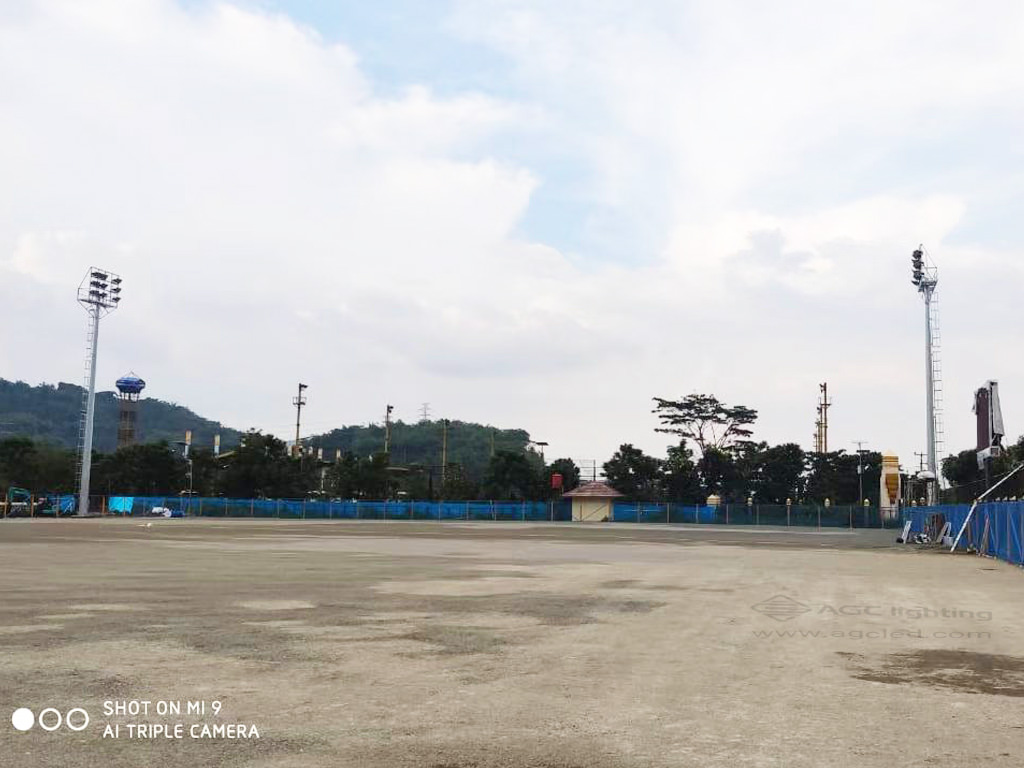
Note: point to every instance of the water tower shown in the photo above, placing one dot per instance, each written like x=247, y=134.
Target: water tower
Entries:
x=129, y=388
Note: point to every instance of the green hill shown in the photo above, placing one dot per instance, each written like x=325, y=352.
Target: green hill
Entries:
x=52, y=414
x=468, y=444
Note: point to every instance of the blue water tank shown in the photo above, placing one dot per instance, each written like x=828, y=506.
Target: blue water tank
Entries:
x=130, y=384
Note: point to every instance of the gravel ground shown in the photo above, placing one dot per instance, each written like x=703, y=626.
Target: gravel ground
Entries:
x=487, y=645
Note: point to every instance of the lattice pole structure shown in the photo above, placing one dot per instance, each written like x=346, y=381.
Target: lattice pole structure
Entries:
x=99, y=293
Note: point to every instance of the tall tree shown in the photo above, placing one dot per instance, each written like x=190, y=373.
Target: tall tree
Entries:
x=568, y=470
x=681, y=481
x=747, y=458
x=36, y=466
x=263, y=467
x=705, y=420
x=205, y=471
x=780, y=474
x=18, y=459
x=372, y=477
x=149, y=469
x=832, y=476
x=717, y=472
x=513, y=476
x=634, y=474
x=457, y=484
x=342, y=479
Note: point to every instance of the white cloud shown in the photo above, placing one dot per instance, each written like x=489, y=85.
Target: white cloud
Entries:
x=277, y=218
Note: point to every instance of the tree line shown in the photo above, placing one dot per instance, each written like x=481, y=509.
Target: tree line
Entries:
x=263, y=466
x=713, y=454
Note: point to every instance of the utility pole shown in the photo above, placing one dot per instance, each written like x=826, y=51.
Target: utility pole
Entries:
x=298, y=402
x=444, y=450
x=387, y=429
x=823, y=406
x=492, y=442
x=860, y=470
x=425, y=412
x=188, y=457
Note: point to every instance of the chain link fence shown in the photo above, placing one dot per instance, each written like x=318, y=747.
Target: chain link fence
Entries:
x=996, y=529
x=297, y=509
x=851, y=516
x=845, y=516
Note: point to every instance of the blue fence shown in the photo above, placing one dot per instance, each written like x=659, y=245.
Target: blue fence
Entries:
x=59, y=504
x=40, y=505
x=291, y=509
x=852, y=516
x=996, y=528
x=554, y=511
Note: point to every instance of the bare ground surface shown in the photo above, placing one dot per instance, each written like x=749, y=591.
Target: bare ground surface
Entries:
x=493, y=645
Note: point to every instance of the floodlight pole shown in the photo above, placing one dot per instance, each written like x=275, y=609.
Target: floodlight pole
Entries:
x=99, y=293
x=925, y=279
x=90, y=415
x=930, y=388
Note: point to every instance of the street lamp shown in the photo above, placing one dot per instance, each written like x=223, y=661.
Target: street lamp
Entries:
x=99, y=293
x=860, y=468
x=186, y=452
x=542, y=445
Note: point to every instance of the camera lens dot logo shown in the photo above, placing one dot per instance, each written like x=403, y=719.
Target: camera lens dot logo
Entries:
x=50, y=719
x=22, y=719
x=83, y=719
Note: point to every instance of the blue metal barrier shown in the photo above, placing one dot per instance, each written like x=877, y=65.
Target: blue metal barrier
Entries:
x=995, y=529
x=1007, y=540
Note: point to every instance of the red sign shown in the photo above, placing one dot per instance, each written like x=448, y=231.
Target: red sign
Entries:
x=556, y=480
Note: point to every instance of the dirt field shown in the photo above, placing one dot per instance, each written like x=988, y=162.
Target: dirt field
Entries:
x=489, y=644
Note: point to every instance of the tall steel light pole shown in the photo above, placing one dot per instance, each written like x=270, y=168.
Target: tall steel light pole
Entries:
x=387, y=429
x=99, y=293
x=860, y=469
x=298, y=402
x=926, y=278
x=444, y=449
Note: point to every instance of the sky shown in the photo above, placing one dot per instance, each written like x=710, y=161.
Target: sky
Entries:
x=528, y=214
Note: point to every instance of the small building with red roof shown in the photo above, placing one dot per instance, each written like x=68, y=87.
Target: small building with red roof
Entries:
x=592, y=502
